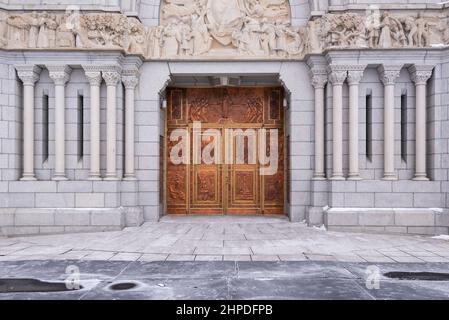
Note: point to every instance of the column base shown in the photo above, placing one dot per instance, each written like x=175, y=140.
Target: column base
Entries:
x=319, y=177
x=28, y=177
x=130, y=177
x=111, y=178
x=94, y=178
x=421, y=177
x=59, y=178
x=390, y=177
x=337, y=178
x=355, y=177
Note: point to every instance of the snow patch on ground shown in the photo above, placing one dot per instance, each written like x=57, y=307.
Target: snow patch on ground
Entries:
x=442, y=237
x=322, y=228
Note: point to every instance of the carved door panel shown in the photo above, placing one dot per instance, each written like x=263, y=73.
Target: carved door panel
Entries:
x=274, y=183
x=243, y=180
x=206, y=175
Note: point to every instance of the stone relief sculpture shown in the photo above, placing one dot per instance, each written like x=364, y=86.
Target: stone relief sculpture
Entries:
x=204, y=29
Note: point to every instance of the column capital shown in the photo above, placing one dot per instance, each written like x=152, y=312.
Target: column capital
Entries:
x=319, y=78
x=389, y=73
x=29, y=74
x=111, y=75
x=337, y=74
x=130, y=79
x=60, y=74
x=355, y=74
x=420, y=74
x=93, y=75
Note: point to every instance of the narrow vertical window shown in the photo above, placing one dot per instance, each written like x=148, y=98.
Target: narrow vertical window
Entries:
x=80, y=125
x=404, y=126
x=369, y=126
x=45, y=127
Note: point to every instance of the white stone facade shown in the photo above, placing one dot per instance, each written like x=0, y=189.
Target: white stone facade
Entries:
x=367, y=126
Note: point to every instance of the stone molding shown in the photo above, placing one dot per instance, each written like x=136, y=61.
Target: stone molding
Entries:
x=194, y=31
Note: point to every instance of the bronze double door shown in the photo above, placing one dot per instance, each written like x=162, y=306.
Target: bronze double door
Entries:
x=212, y=159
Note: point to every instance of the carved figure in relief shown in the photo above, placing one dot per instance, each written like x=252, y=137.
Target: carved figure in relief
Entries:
x=171, y=38
x=18, y=30
x=224, y=17
x=34, y=22
x=392, y=32
x=65, y=35
x=281, y=40
x=176, y=188
x=206, y=184
x=313, y=36
x=47, y=31
x=155, y=42
x=373, y=28
x=178, y=8
x=137, y=37
x=185, y=39
x=268, y=40
x=296, y=47
x=202, y=41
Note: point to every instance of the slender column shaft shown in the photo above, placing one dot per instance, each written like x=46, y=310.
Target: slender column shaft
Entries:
x=337, y=78
x=354, y=77
x=29, y=76
x=337, y=131
x=388, y=75
x=95, y=80
x=319, y=80
x=60, y=75
x=420, y=75
x=389, y=137
x=130, y=82
x=112, y=79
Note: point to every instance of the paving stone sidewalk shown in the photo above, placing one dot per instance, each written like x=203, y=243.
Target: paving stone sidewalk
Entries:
x=192, y=280
x=226, y=239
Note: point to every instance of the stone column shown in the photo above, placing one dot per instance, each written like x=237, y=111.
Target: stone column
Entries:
x=60, y=76
x=130, y=80
x=337, y=76
x=112, y=78
x=319, y=80
x=95, y=79
x=29, y=74
x=388, y=75
x=355, y=75
x=420, y=75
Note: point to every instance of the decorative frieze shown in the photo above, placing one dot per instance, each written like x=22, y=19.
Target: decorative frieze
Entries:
x=207, y=29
